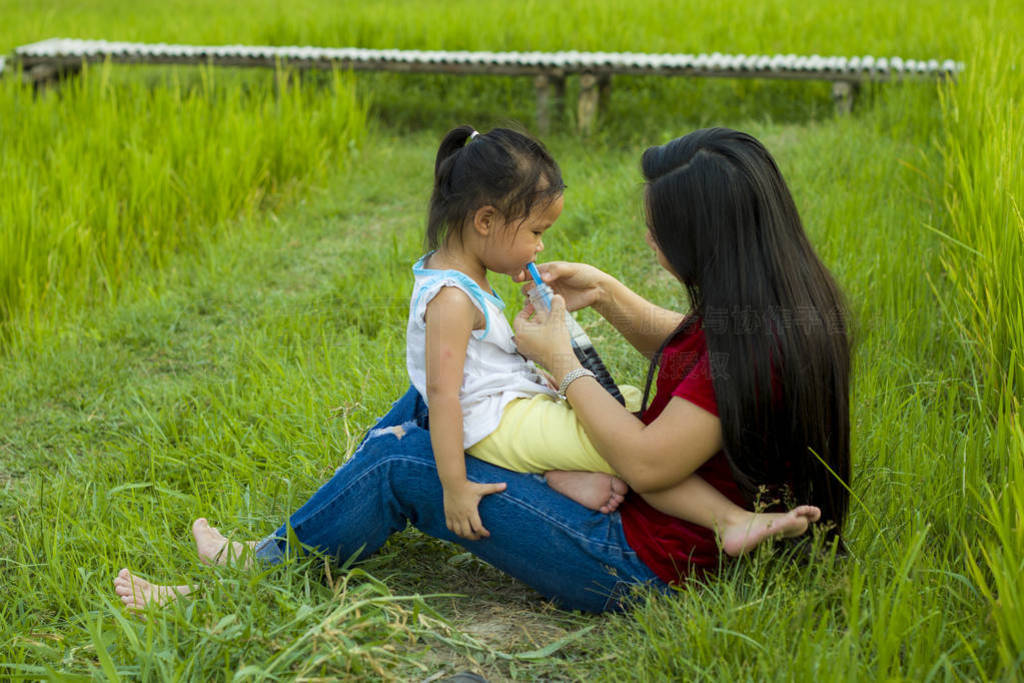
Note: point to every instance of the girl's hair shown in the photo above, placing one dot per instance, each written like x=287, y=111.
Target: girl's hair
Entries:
x=504, y=168
x=774, y=320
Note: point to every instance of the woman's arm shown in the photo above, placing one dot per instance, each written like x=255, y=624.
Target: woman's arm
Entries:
x=650, y=457
x=643, y=324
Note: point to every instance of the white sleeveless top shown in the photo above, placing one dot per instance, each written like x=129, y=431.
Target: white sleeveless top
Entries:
x=494, y=373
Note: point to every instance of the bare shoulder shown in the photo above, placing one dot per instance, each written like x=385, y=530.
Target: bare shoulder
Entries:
x=452, y=307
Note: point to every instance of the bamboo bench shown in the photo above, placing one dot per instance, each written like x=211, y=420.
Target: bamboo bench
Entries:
x=56, y=58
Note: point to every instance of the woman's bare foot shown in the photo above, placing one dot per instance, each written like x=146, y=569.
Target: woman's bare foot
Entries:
x=214, y=548
x=136, y=593
x=754, y=528
x=595, y=490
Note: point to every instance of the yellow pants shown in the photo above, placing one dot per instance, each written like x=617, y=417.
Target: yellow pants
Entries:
x=542, y=433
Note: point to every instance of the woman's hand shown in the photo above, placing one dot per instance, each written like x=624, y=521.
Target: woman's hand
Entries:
x=578, y=283
x=644, y=325
x=544, y=338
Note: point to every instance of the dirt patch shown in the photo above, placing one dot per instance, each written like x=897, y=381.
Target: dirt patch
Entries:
x=495, y=616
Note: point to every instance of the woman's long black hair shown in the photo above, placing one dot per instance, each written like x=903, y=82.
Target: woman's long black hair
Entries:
x=774, y=319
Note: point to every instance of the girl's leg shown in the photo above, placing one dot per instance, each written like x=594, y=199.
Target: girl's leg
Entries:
x=541, y=434
x=739, y=530
x=594, y=490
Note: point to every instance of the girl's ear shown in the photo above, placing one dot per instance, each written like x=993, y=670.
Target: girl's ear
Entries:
x=485, y=220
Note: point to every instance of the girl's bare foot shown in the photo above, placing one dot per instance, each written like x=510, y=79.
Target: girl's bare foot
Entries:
x=214, y=548
x=136, y=593
x=595, y=490
x=754, y=528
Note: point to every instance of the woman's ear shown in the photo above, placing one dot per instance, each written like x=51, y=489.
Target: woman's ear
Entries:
x=485, y=220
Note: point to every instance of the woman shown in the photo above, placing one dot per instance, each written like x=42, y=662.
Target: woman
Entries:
x=751, y=395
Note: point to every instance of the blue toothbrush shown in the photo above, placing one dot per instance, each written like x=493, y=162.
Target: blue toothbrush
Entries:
x=541, y=295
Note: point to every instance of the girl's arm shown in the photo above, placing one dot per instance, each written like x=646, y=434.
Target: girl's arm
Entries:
x=643, y=324
x=450, y=319
x=649, y=458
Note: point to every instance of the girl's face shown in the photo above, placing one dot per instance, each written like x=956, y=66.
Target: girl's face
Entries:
x=516, y=243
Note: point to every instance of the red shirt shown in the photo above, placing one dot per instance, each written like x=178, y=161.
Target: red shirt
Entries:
x=671, y=547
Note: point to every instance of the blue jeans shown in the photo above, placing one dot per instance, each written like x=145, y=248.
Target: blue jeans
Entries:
x=574, y=556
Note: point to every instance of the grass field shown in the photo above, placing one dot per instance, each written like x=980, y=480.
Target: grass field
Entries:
x=203, y=288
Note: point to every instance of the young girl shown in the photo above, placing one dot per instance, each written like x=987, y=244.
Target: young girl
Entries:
x=495, y=195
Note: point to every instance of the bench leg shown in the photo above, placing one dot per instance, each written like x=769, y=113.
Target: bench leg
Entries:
x=843, y=94
x=558, y=96
x=604, y=87
x=542, y=86
x=43, y=76
x=550, y=91
x=586, y=110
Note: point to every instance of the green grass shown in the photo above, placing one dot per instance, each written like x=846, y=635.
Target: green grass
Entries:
x=984, y=257
x=114, y=172
x=931, y=28
x=250, y=341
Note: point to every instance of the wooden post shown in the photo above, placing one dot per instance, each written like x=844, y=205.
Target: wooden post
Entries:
x=542, y=86
x=558, y=95
x=586, y=110
x=604, y=87
x=43, y=76
x=550, y=89
x=843, y=94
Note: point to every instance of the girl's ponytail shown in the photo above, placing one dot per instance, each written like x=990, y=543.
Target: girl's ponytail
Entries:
x=454, y=141
x=443, y=198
